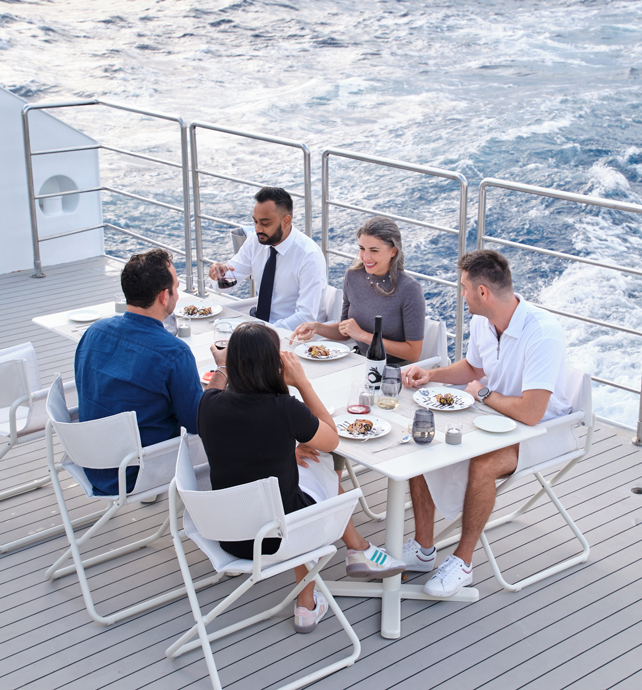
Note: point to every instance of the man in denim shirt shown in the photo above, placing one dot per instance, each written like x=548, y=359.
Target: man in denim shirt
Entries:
x=131, y=362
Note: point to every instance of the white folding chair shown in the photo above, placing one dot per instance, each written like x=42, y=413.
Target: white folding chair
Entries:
x=434, y=353
x=561, y=445
x=111, y=442
x=331, y=305
x=254, y=511
x=23, y=417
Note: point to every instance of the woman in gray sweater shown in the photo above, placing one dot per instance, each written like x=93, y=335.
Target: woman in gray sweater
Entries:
x=376, y=285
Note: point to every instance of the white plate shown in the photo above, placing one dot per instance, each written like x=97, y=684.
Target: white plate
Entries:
x=337, y=350
x=216, y=309
x=380, y=426
x=84, y=315
x=494, y=423
x=427, y=397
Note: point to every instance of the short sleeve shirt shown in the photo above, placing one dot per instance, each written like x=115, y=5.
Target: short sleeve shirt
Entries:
x=529, y=355
x=253, y=436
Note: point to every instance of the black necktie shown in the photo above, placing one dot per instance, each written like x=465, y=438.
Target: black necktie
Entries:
x=264, y=305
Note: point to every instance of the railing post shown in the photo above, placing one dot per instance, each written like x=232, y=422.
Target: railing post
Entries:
x=189, y=270
x=461, y=250
x=198, y=230
x=325, y=181
x=307, y=186
x=35, y=240
x=637, y=440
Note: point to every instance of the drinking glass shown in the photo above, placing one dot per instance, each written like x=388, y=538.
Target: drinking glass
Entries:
x=222, y=334
x=389, y=395
x=361, y=398
x=392, y=372
x=423, y=426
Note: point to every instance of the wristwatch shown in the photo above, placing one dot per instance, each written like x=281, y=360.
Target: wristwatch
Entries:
x=483, y=393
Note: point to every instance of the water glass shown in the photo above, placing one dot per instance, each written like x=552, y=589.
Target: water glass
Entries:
x=423, y=426
x=361, y=398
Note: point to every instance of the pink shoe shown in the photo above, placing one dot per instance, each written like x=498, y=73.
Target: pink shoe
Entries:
x=305, y=621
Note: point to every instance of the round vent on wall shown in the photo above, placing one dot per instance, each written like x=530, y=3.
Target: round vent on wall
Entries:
x=57, y=205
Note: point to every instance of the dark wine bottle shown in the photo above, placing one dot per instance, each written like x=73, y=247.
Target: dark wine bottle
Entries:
x=375, y=358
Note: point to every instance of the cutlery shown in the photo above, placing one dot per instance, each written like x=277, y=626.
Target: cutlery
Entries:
x=405, y=439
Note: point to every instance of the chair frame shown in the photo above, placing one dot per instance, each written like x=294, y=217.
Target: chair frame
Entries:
x=16, y=440
x=183, y=644
x=79, y=565
x=443, y=539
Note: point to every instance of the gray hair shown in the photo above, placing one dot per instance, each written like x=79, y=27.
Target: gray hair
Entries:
x=387, y=231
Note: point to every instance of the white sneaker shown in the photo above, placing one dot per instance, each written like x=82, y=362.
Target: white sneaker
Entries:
x=453, y=574
x=415, y=559
x=306, y=621
x=379, y=564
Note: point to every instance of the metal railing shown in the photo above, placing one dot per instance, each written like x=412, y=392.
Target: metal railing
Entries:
x=201, y=260
x=183, y=166
x=424, y=170
x=482, y=238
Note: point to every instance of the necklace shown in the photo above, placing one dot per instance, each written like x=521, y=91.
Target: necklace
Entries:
x=375, y=280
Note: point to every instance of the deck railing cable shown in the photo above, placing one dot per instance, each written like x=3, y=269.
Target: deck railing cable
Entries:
x=460, y=231
x=483, y=238
x=183, y=166
x=201, y=259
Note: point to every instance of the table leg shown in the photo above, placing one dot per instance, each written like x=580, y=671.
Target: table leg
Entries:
x=391, y=600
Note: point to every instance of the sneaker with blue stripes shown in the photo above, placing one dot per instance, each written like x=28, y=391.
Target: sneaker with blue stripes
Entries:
x=374, y=562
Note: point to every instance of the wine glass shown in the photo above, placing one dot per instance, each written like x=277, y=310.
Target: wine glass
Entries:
x=361, y=398
x=389, y=395
x=222, y=334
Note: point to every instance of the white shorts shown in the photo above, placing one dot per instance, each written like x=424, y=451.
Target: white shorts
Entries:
x=319, y=480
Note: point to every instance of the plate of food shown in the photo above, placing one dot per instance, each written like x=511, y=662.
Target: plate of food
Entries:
x=84, y=315
x=494, y=423
x=322, y=350
x=361, y=426
x=443, y=399
x=199, y=310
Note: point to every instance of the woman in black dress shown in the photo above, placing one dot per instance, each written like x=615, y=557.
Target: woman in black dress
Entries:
x=250, y=428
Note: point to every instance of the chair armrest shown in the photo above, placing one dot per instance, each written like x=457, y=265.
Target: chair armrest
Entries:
x=573, y=418
x=320, y=511
x=429, y=363
x=162, y=448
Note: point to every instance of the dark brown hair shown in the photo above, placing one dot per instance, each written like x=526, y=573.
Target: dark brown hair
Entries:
x=489, y=268
x=253, y=361
x=145, y=276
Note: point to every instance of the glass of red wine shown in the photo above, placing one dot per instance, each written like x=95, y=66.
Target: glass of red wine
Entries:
x=222, y=334
x=361, y=398
x=226, y=281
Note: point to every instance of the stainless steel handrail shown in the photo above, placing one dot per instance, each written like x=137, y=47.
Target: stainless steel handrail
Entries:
x=184, y=167
x=196, y=171
x=326, y=202
x=482, y=238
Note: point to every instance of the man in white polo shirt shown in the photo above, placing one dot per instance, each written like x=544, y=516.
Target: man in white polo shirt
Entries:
x=287, y=265
x=521, y=350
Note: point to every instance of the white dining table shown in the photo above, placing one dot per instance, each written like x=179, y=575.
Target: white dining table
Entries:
x=333, y=389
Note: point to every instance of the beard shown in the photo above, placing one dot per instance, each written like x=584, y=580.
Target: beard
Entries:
x=273, y=239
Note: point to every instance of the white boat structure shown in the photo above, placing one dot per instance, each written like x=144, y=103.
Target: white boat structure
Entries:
x=580, y=629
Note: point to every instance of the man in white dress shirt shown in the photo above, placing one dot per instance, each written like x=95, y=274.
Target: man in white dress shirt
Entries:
x=521, y=350
x=292, y=292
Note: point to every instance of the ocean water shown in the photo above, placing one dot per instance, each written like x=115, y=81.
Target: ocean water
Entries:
x=546, y=93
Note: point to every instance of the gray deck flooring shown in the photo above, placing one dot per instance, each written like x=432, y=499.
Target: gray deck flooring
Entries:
x=581, y=629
